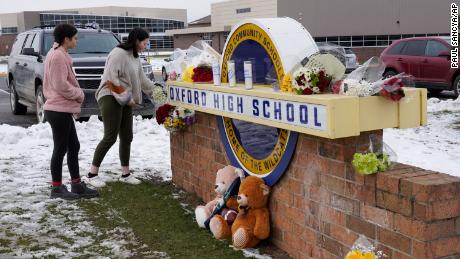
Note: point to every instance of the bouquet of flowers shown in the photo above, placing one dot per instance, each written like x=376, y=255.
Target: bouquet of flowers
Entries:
x=367, y=80
x=363, y=249
x=202, y=73
x=194, y=64
x=316, y=76
x=177, y=64
x=378, y=158
x=158, y=95
x=174, y=118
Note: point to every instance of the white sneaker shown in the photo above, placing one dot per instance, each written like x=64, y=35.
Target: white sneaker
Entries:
x=130, y=179
x=95, y=181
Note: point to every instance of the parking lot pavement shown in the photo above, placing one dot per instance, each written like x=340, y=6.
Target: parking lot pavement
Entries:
x=6, y=116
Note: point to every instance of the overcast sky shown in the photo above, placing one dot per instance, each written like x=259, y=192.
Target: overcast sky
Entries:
x=195, y=8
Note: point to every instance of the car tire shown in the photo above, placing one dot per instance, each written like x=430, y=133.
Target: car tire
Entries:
x=83, y=119
x=40, y=104
x=164, y=75
x=457, y=86
x=16, y=107
x=147, y=117
x=389, y=73
x=434, y=91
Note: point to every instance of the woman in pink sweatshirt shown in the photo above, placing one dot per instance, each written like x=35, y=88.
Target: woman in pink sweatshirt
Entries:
x=63, y=99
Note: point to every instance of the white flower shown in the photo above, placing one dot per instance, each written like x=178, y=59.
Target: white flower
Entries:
x=353, y=87
x=316, y=90
x=159, y=95
x=180, y=112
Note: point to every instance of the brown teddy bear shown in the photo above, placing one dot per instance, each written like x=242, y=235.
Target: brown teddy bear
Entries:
x=252, y=223
x=225, y=177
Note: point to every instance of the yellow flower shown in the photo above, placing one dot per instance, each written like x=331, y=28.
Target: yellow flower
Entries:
x=188, y=74
x=354, y=254
x=286, y=83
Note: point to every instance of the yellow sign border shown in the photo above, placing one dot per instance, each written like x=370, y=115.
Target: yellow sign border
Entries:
x=256, y=166
x=250, y=31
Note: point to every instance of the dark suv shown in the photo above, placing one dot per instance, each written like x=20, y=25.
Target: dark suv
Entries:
x=25, y=70
x=425, y=58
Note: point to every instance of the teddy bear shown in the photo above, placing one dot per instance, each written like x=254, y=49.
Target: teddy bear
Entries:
x=252, y=223
x=225, y=177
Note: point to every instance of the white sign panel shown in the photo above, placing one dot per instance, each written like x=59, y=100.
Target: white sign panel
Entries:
x=306, y=115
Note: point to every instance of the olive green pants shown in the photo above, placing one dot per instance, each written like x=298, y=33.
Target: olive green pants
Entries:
x=118, y=120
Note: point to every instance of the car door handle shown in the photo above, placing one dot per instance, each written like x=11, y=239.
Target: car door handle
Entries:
x=399, y=59
x=17, y=63
x=425, y=61
x=25, y=64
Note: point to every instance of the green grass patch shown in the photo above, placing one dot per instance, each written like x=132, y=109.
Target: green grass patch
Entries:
x=158, y=220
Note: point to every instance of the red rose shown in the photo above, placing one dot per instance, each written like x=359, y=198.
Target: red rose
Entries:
x=163, y=112
x=307, y=91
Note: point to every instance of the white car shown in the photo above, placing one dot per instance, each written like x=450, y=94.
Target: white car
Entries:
x=172, y=63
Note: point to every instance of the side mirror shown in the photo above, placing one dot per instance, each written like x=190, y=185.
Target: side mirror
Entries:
x=29, y=52
x=167, y=59
x=445, y=54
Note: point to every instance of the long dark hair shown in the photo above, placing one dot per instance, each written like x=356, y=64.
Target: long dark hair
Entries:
x=63, y=31
x=137, y=34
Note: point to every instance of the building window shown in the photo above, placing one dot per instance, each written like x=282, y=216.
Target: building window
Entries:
x=243, y=10
x=369, y=40
x=207, y=37
x=119, y=25
x=9, y=30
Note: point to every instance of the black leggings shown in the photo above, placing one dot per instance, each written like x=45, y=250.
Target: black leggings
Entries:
x=65, y=141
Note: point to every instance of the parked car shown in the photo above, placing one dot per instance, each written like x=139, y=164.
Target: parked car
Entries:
x=25, y=70
x=351, y=60
x=346, y=55
x=169, y=63
x=425, y=58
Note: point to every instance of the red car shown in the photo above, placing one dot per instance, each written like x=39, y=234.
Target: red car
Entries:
x=425, y=58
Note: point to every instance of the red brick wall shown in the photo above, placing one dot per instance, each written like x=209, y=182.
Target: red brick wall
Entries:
x=320, y=206
x=6, y=42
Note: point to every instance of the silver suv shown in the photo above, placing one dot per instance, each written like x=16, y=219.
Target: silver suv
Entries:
x=25, y=70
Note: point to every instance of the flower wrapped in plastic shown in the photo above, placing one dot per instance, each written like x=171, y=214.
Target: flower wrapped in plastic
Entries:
x=363, y=249
x=314, y=74
x=200, y=56
x=177, y=65
x=174, y=118
x=378, y=158
x=367, y=80
x=159, y=96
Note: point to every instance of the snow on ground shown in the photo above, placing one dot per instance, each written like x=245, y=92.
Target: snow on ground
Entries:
x=434, y=147
x=3, y=68
x=32, y=225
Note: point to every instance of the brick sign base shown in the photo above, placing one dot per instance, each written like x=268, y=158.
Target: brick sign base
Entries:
x=320, y=206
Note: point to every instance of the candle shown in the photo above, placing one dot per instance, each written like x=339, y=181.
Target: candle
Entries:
x=248, y=74
x=231, y=73
x=216, y=73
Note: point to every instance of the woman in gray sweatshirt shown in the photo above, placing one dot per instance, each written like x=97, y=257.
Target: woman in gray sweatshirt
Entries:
x=123, y=70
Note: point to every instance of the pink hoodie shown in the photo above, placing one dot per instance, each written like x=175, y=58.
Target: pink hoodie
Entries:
x=60, y=87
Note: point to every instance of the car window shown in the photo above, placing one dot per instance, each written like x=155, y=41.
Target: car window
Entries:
x=434, y=47
x=415, y=48
x=397, y=48
x=17, y=46
x=36, y=42
x=87, y=43
x=29, y=39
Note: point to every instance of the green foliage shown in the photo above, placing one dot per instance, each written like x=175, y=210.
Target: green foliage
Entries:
x=370, y=163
